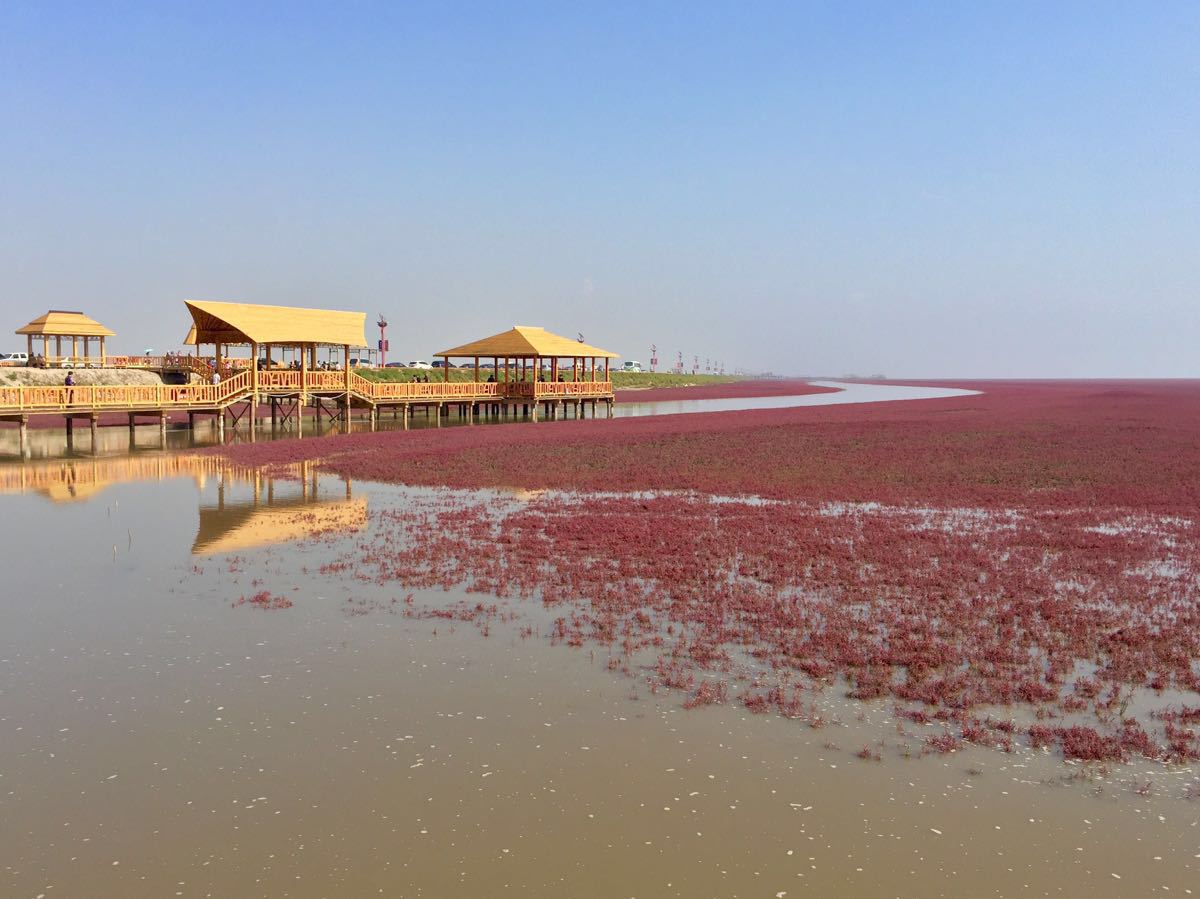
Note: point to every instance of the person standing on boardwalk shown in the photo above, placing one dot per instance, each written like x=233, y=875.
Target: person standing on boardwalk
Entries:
x=69, y=383
x=216, y=377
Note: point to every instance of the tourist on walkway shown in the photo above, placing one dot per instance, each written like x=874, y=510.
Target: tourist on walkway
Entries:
x=69, y=383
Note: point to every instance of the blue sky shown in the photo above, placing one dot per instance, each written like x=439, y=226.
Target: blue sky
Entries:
x=953, y=189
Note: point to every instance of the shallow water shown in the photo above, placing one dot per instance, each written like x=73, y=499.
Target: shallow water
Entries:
x=159, y=738
x=847, y=392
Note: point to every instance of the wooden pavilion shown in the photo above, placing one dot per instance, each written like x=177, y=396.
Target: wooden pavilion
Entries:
x=74, y=326
x=524, y=350
x=274, y=327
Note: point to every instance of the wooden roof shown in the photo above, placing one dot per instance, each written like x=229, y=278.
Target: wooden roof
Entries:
x=524, y=341
x=60, y=323
x=215, y=322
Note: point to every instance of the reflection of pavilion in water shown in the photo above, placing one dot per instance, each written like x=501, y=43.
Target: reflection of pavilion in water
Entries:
x=251, y=508
x=277, y=511
x=79, y=479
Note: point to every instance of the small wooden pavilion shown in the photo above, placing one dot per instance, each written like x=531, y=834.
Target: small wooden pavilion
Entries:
x=532, y=354
x=58, y=324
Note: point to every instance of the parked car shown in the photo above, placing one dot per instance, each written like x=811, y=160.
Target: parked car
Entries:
x=11, y=359
x=395, y=365
x=419, y=363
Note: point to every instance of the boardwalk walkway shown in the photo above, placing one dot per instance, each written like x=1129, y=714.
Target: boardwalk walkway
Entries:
x=289, y=392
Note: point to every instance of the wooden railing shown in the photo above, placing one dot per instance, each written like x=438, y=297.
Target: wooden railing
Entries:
x=413, y=390
x=207, y=395
x=554, y=389
x=116, y=397
x=325, y=380
x=382, y=391
x=279, y=380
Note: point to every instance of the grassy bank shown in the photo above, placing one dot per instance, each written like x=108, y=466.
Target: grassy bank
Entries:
x=621, y=380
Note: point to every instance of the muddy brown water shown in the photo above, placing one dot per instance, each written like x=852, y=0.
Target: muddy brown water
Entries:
x=159, y=739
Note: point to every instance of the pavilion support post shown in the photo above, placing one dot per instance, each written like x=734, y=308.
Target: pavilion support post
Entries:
x=58, y=348
x=71, y=432
x=23, y=425
x=406, y=416
x=132, y=424
x=439, y=415
x=74, y=349
x=221, y=425
x=476, y=369
x=94, y=420
x=102, y=352
x=29, y=346
x=346, y=357
x=303, y=377
x=162, y=429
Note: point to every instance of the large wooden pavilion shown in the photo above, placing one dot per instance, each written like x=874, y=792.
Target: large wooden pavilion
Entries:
x=270, y=327
x=74, y=326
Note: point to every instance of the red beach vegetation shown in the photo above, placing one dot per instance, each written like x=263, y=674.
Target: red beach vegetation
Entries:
x=1031, y=551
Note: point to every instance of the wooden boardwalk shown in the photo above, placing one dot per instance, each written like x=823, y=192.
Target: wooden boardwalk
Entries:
x=288, y=393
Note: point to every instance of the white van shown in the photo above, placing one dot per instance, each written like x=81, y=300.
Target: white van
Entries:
x=14, y=359
x=632, y=366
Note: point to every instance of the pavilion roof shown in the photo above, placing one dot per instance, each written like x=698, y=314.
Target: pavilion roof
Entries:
x=214, y=322
x=60, y=323
x=524, y=341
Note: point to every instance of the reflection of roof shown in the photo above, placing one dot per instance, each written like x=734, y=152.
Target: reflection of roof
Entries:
x=245, y=525
x=58, y=323
x=72, y=493
x=526, y=341
x=247, y=323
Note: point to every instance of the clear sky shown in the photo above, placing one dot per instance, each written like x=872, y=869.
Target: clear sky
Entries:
x=916, y=189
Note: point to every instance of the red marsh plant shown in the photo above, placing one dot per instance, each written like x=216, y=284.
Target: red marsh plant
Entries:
x=954, y=556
